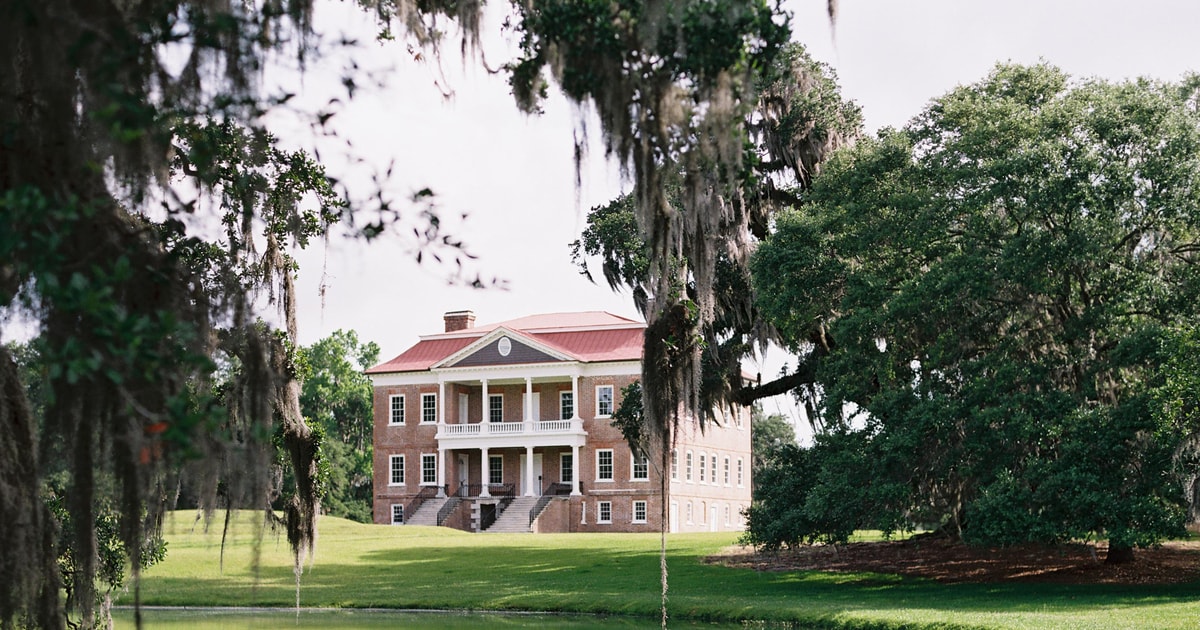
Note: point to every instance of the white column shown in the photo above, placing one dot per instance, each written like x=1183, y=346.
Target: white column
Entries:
x=528, y=471
x=486, y=417
x=575, y=471
x=528, y=401
x=441, y=402
x=441, y=472
x=485, y=473
x=574, y=396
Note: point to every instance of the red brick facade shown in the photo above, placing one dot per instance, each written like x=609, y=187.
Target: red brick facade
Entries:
x=446, y=456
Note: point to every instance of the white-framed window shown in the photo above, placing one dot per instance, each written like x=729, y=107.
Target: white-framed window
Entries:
x=495, y=407
x=675, y=464
x=727, y=472
x=687, y=468
x=639, y=468
x=396, y=409
x=703, y=467
x=566, y=405
x=712, y=460
x=727, y=514
x=495, y=469
x=566, y=467
x=639, y=511
x=703, y=511
x=689, y=511
x=604, y=464
x=604, y=512
x=397, y=514
x=737, y=416
x=428, y=469
x=396, y=468
x=739, y=470
x=428, y=408
x=604, y=401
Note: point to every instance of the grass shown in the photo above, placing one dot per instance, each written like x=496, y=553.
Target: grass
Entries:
x=379, y=566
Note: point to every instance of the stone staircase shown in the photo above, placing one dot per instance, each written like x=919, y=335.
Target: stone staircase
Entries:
x=515, y=518
x=427, y=513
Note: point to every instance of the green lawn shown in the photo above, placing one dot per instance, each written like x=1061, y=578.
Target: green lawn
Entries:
x=413, y=567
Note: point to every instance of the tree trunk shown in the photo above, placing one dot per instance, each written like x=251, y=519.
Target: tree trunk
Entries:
x=1118, y=554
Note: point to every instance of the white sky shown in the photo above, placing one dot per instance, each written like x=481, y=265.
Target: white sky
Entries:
x=515, y=177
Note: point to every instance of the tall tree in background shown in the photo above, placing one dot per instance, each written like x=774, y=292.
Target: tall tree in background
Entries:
x=988, y=298
x=336, y=394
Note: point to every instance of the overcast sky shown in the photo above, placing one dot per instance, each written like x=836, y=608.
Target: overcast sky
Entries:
x=514, y=176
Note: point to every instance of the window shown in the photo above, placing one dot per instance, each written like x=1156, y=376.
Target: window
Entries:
x=739, y=472
x=639, y=511
x=604, y=512
x=703, y=467
x=675, y=463
x=688, y=467
x=495, y=469
x=640, y=468
x=566, y=405
x=428, y=408
x=703, y=510
x=604, y=401
x=689, y=511
x=726, y=513
x=496, y=408
x=566, y=467
x=428, y=469
x=396, y=405
x=397, y=514
x=397, y=469
x=713, y=461
x=727, y=471
x=604, y=465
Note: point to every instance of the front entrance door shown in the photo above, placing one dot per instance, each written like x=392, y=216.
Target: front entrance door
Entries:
x=537, y=475
x=712, y=518
x=464, y=469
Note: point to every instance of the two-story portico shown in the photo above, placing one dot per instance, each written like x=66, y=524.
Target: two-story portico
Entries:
x=511, y=418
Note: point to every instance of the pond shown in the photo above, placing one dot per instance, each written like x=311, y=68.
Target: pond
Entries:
x=347, y=619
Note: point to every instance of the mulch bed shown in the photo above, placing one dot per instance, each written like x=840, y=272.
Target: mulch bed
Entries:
x=945, y=561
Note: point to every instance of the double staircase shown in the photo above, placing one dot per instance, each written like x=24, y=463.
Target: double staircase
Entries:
x=427, y=513
x=515, y=518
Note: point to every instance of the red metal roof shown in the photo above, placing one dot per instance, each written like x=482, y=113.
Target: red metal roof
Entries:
x=588, y=336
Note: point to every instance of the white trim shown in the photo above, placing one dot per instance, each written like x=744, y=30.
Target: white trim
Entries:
x=489, y=469
x=633, y=466
x=562, y=456
x=612, y=401
x=572, y=367
x=490, y=397
x=600, y=520
x=633, y=511
x=403, y=410
x=689, y=460
x=612, y=462
x=566, y=392
x=403, y=471
x=496, y=334
x=435, y=469
x=392, y=515
x=434, y=396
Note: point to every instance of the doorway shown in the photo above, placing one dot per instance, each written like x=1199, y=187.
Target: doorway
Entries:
x=537, y=475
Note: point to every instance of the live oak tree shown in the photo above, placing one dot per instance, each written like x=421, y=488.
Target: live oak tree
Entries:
x=143, y=290
x=991, y=301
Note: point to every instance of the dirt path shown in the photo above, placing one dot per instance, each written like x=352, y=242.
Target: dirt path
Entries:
x=944, y=561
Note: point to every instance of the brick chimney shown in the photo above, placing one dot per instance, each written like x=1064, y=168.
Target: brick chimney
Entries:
x=459, y=320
